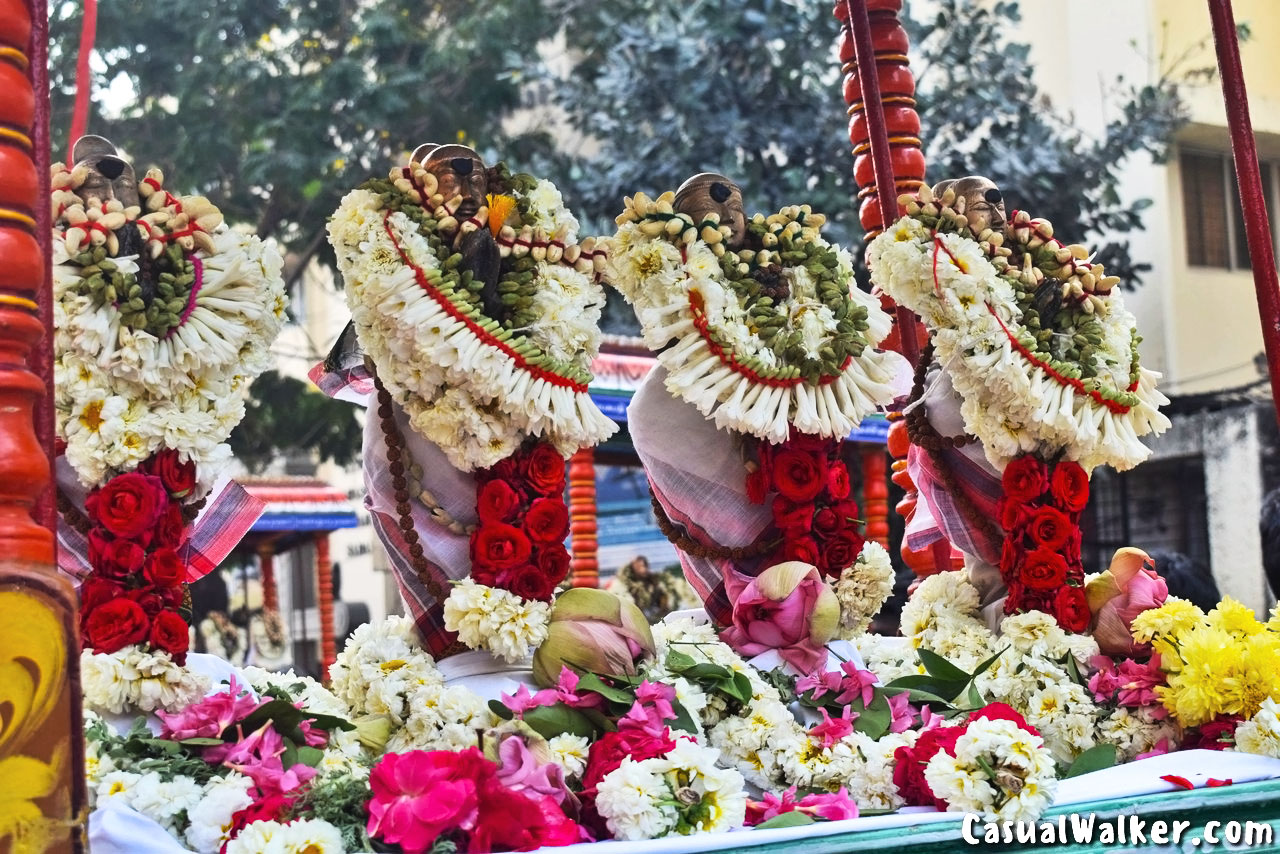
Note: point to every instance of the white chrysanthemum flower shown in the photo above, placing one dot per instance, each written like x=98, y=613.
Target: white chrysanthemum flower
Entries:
x=132, y=679
x=547, y=210
x=1261, y=733
x=864, y=588
x=304, y=836
x=209, y=820
x=497, y=620
x=117, y=785
x=161, y=800
x=1035, y=633
x=635, y=802
x=948, y=593
x=570, y=753
x=1019, y=784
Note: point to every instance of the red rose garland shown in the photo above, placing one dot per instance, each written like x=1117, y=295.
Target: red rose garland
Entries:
x=518, y=545
x=812, y=510
x=1041, y=563
x=135, y=588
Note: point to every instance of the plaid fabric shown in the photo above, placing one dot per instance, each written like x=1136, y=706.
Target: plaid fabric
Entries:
x=937, y=516
x=427, y=613
x=228, y=515
x=353, y=383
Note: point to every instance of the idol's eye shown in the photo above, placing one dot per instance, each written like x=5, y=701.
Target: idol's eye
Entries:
x=720, y=192
x=461, y=165
x=993, y=196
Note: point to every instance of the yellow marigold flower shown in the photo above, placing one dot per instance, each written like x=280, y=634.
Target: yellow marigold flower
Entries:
x=1274, y=623
x=1210, y=681
x=1261, y=677
x=1234, y=617
x=1171, y=619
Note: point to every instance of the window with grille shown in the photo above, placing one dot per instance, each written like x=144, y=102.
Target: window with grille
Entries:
x=1159, y=505
x=1211, y=204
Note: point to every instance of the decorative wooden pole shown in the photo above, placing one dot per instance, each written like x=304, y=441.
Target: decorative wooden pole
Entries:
x=324, y=601
x=585, y=565
x=1257, y=228
x=41, y=734
x=267, y=568
x=875, y=495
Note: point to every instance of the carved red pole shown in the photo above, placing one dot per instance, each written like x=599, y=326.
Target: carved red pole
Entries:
x=875, y=495
x=585, y=564
x=46, y=511
x=42, y=724
x=1257, y=228
x=324, y=600
x=267, y=567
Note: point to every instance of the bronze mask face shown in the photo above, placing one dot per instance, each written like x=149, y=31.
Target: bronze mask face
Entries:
x=460, y=171
x=710, y=192
x=983, y=202
x=110, y=176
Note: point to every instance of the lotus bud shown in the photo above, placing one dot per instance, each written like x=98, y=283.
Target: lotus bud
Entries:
x=594, y=631
x=788, y=608
x=1119, y=595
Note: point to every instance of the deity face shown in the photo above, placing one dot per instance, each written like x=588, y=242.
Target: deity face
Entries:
x=983, y=203
x=110, y=176
x=460, y=171
x=709, y=192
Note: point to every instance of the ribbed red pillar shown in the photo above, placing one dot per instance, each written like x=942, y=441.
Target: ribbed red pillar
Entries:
x=267, y=567
x=585, y=564
x=875, y=494
x=40, y=720
x=324, y=601
x=1257, y=228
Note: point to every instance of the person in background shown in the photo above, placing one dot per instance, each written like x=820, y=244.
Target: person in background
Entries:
x=1186, y=578
x=656, y=594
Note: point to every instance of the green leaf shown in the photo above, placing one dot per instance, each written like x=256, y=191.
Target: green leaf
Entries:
x=308, y=755
x=939, y=667
x=984, y=666
x=975, y=697
x=787, y=819
x=500, y=710
x=201, y=742
x=683, y=720
x=1094, y=759
x=550, y=721
x=1074, y=670
x=678, y=662
x=739, y=688
x=593, y=683
x=312, y=188
x=707, y=670
x=874, y=720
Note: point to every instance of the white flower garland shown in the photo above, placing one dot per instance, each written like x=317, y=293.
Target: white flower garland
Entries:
x=1013, y=404
x=470, y=386
x=123, y=392
x=676, y=283
x=491, y=618
x=998, y=769
x=863, y=589
x=133, y=679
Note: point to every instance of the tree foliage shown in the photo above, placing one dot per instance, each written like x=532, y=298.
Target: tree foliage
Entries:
x=285, y=413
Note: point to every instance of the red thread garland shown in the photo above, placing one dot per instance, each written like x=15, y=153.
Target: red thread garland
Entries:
x=457, y=314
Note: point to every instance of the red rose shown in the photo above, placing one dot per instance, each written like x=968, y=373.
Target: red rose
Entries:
x=95, y=591
x=171, y=527
x=1024, y=479
x=519, y=821
x=840, y=552
x=114, y=625
x=797, y=475
x=148, y=599
x=793, y=519
x=1011, y=555
x=171, y=597
x=169, y=633
x=553, y=562
x=117, y=558
x=507, y=469
x=547, y=520
x=847, y=511
x=165, y=568
x=909, y=762
x=128, y=505
x=802, y=548
x=757, y=486
x=1050, y=528
x=497, y=502
x=546, y=470
x=1043, y=570
x=268, y=808
x=178, y=477
x=1002, y=712
x=1071, y=609
x=527, y=582
x=838, y=480
x=827, y=522
x=607, y=753
x=1070, y=487
x=1217, y=734
x=1012, y=514
x=499, y=547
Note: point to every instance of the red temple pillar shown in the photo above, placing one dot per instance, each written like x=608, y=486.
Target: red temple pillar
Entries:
x=584, y=565
x=875, y=495
x=42, y=726
x=324, y=601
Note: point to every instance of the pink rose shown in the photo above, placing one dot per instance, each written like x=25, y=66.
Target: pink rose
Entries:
x=1118, y=595
x=788, y=608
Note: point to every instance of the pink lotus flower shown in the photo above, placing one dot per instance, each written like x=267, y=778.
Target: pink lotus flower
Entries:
x=420, y=795
x=1118, y=595
x=210, y=717
x=832, y=730
x=830, y=806
x=1130, y=683
x=788, y=608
